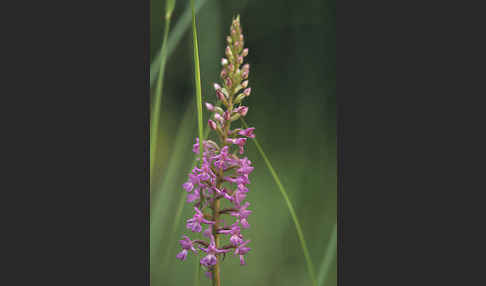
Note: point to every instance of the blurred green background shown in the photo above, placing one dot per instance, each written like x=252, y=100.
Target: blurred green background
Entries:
x=292, y=56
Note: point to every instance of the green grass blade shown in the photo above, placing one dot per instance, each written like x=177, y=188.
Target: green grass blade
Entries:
x=310, y=266
x=328, y=257
x=174, y=38
x=155, y=115
x=169, y=8
x=197, y=78
x=197, y=83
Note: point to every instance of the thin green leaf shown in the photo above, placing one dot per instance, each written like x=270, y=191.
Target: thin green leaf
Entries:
x=197, y=78
x=169, y=8
x=328, y=257
x=155, y=114
x=197, y=83
x=310, y=266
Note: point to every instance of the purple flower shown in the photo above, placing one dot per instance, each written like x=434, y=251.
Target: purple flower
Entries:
x=242, y=215
x=236, y=237
x=242, y=110
x=222, y=192
x=248, y=132
x=194, y=223
x=210, y=259
x=208, y=232
x=241, y=250
x=238, y=141
x=191, y=197
x=238, y=197
x=238, y=180
x=242, y=188
x=245, y=167
x=193, y=181
x=186, y=245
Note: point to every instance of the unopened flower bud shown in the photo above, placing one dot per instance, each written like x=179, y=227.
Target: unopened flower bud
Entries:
x=237, y=44
x=244, y=84
x=247, y=91
x=241, y=38
x=223, y=74
x=226, y=115
x=229, y=40
x=212, y=124
x=228, y=52
x=233, y=32
x=246, y=67
x=216, y=86
x=209, y=106
x=219, y=118
x=228, y=82
x=240, y=60
x=245, y=52
x=220, y=95
x=244, y=75
x=231, y=68
x=224, y=61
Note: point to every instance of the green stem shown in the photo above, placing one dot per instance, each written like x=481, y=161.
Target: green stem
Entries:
x=310, y=266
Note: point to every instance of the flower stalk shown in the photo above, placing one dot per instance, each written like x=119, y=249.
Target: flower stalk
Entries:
x=222, y=174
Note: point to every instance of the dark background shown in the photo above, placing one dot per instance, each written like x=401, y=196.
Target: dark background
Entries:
x=292, y=56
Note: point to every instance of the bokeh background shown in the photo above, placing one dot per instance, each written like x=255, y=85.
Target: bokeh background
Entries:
x=292, y=56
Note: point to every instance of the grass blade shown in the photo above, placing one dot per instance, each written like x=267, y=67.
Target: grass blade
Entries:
x=197, y=83
x=174, y=38
x=155, y=114
x=300, y=234
x=328, y=257
x=197, y=77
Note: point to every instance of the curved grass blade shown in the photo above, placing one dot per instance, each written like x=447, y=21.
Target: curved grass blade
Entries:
x=300, y=234
x=155, y=114
x=174, y=38
x=328, y=257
